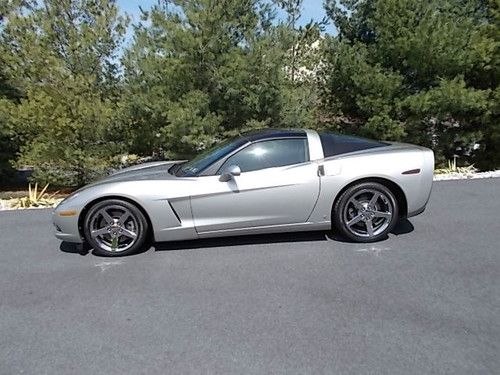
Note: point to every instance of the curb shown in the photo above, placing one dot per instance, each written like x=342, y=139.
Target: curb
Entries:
x=466, y=176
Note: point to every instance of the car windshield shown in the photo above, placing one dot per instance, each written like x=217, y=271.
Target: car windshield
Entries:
x=208, y=157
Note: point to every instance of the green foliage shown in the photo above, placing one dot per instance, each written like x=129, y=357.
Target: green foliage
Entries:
x=68, y=140
x=7, y=147
x=8, y=94
x=191, y=125
x=201, y=70
x=366, y=94
x=61, y=55
x=74, y=99
x=420, y=71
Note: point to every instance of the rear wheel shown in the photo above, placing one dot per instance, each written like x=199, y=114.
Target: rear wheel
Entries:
x=365, y=212
x=115, y=228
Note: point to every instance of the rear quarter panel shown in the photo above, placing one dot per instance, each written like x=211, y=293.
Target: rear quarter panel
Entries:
x=388, y=163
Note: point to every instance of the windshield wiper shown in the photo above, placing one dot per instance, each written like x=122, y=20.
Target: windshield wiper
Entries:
x=175, y=168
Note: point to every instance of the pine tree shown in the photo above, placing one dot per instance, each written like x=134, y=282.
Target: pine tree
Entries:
x=61, y=54
x=200, y=70
x=421, y=71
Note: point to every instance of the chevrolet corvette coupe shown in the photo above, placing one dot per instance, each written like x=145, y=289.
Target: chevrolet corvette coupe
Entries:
x=262, y=182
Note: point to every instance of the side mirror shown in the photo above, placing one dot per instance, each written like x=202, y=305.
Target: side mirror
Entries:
x=229, y=173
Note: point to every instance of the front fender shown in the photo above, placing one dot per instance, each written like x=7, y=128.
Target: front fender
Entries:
x=170, y=217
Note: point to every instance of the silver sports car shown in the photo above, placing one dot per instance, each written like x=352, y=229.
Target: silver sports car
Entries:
x=265, y=181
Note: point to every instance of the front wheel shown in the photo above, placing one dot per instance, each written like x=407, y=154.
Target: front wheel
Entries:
x=365, y=212
x=115, y=228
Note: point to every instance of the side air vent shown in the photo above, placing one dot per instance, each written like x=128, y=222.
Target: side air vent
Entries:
x=412, y=171
x=175, y=213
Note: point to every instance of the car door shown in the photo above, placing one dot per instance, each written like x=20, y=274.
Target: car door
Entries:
x=277, y=185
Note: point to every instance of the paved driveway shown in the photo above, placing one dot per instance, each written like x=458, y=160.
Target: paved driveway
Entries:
x=427, y=300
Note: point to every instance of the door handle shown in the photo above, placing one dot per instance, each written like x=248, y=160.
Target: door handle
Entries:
x=321, y=170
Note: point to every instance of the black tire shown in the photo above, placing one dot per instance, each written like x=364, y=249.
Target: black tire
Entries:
x=115, y=238
x=355, y=217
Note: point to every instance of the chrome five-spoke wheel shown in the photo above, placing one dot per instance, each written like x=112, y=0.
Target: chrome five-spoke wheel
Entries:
x=366, y=212
x=115, y=227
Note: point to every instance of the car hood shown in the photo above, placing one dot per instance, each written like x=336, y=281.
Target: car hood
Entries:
x=146, y=171
x=157, y=170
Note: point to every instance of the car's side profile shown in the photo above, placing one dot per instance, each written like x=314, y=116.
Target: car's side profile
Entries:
x=265, y=181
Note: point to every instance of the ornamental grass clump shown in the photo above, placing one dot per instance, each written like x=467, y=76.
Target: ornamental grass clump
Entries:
x=35, y=198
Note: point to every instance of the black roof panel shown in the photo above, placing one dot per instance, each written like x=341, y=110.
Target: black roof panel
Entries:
x=337, y=144
x=256, y=135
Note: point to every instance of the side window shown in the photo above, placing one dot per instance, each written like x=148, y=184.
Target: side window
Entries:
x=268, y=154
x=336, y=144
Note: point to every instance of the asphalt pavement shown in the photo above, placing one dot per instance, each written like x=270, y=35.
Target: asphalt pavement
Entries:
x=424, y=301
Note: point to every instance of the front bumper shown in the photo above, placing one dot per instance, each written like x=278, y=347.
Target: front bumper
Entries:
x=66, y=227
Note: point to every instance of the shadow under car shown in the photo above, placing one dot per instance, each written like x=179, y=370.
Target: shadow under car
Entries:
x=403, y=227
